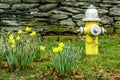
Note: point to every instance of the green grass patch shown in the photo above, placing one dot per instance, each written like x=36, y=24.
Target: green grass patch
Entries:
x=104, y=66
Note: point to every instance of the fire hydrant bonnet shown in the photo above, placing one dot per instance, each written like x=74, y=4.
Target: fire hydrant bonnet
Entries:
x=91, y=14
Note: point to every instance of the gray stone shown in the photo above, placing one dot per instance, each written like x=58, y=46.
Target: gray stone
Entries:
x=78, y=23
x=106, y=20
x=105, y=5
x=39, y=14
x=47, y=7
x=115, y=11
x=10, y=1
x=106, y=26
x=67, y=22
x=69, y=9
x=71, y=0
x=117, y=24
x=102, y=11
x=42, y=19
x=109, y=30
x=10, y=28
x=107, y=1
x=40, y=29
x=117, y=18
x=30, y=1
x=2, y=11
x=78, y=16
x=48, y=1
x=59, y=16
x=117, y=31
x=73, y=4
x=23, y=6
x=4, y=6
x=61, y=12
x=12, y=23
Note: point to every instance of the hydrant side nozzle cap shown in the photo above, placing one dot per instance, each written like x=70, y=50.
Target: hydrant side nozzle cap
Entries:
x=91, y=14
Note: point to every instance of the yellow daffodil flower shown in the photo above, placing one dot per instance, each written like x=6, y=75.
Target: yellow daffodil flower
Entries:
x=33, y=33
x=42, y=48
x=55, y=50
x=61, y=44
x=12, y=41
x=18, y=38
x=60, y=48
x=28, y=29
x=11, y=37
x=13, y=46
x=20, y=31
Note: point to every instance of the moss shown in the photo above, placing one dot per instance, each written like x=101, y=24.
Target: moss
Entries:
x=56, y=28
x=109, y=30
x=117, y=24
x=33, y=23
x=117, y=31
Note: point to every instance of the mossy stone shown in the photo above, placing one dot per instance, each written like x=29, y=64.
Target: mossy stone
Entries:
x=117, y=31
x=109, y=30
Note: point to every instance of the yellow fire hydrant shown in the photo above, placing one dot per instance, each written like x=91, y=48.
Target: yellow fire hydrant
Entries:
x=91, y=30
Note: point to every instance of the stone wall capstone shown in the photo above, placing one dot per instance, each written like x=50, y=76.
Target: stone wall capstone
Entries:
x=57, y=16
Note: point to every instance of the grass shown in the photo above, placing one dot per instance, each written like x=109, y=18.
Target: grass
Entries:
x=104, y=66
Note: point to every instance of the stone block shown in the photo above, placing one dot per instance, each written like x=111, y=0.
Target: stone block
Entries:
x=105, y=5
x=23, y=6
x=11, y=1
x=67, y=22
x=117, y=24
x=117, y=31
x=69, y=9
x=109, y=30
x=4, y=6
x=59, y=16
x=115, y=11
x=30, y=1
x=39, y=14
x=106, y=20
x=47, y=7
x=117, y=18
x=102, y=11
x=1, y=11
x=78, y=16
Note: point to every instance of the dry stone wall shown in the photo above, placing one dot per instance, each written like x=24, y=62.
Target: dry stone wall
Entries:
x=57, y=16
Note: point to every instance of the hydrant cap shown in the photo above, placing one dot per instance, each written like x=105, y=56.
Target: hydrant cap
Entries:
x=91, y=14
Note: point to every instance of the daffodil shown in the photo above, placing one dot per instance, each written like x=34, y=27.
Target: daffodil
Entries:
x=33, y=33
x=18, y=38
x=11, y=37
x=60, y=48
x=42, y=48
x=55, y=50
x=12, y=41
x=28, y=29
x=61, y=44
x=13, y=45
x=20, y=31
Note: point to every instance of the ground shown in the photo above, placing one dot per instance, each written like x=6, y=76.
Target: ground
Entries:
x=104, y=66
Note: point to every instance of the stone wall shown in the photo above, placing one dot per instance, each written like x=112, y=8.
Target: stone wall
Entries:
x=57, y=16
